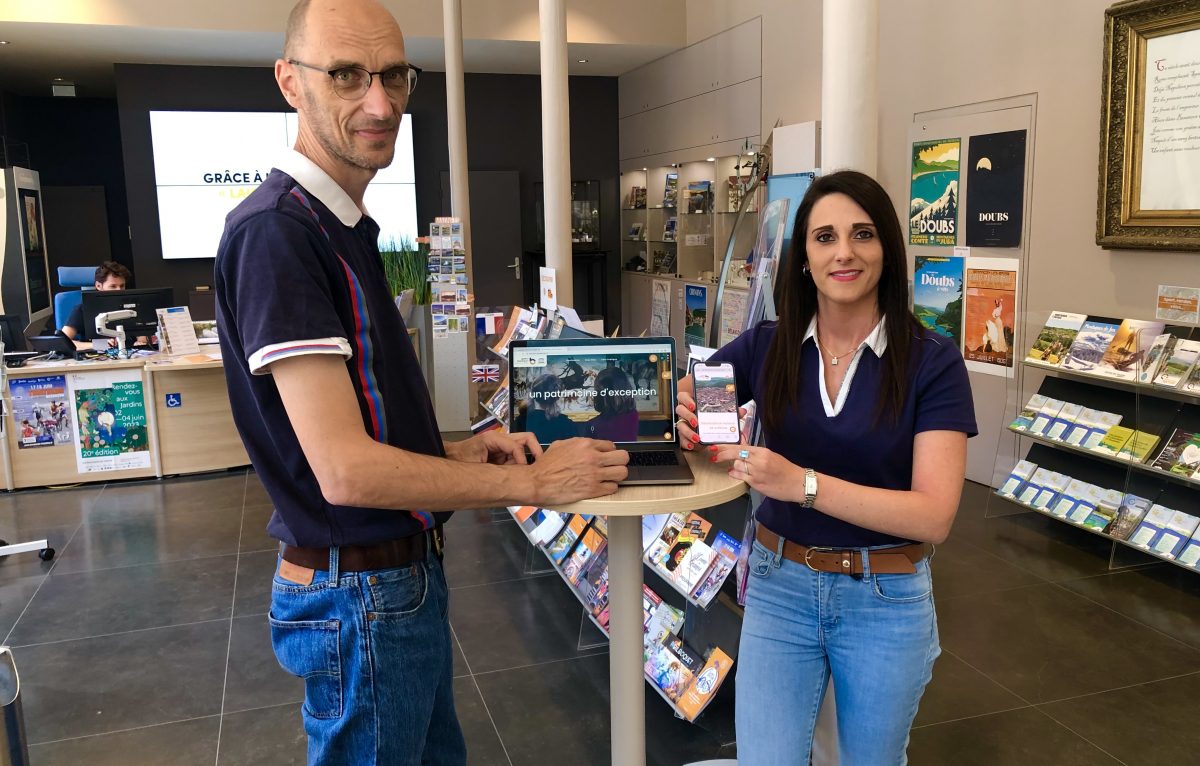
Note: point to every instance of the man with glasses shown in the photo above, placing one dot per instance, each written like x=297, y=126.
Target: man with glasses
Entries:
x=331, y=404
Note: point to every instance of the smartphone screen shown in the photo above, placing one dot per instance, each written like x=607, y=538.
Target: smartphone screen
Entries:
x=716, y=403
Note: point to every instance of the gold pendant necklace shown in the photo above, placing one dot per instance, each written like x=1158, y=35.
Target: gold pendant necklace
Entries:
x=833, y=357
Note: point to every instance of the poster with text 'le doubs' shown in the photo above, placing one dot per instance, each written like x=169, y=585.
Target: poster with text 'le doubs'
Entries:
x=934, y=199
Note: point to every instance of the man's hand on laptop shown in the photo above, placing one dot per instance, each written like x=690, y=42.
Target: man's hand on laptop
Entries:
x=495, y=447
x=577, y=469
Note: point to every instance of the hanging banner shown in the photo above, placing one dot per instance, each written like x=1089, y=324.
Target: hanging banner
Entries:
x=990, y=315
x=995, y=189
x=111, y=432
x=695, y=314
x=41, y=411
x=660, y=308
x=933, y=204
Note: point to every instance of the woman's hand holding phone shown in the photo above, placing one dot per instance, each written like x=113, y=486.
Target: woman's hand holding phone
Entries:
x=686, y=425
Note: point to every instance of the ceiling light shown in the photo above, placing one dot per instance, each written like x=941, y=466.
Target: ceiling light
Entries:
x=751, y=153
x=581, y=61
x=711, y=159
x=643, y=170
x=58, y=79
x=3, y=42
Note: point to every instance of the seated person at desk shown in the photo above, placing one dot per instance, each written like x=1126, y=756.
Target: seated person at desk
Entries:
x=110, y=275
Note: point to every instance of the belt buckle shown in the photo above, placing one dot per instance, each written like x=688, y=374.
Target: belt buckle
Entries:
x=815, y=549
x=438, y=541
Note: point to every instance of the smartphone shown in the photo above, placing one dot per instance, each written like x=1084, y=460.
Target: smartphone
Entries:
x=716, y=403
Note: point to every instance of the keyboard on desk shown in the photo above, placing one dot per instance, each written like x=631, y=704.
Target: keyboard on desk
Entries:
x=654, y=457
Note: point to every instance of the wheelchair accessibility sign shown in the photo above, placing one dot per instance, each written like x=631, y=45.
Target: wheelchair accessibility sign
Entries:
x=174, y=400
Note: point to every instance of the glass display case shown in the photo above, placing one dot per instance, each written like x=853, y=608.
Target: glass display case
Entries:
x=585, y=215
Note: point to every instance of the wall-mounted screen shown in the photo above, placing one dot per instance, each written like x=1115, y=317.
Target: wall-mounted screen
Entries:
x=205, y=163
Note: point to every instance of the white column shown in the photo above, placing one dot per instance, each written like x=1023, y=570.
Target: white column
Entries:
x=456, y=119
x=850, y=85
x=556, y=144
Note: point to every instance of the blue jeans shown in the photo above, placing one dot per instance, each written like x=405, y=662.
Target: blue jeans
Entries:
x=374, y=650
x=877, y=636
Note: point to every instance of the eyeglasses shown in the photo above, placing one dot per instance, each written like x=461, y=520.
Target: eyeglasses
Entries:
x=353, y=82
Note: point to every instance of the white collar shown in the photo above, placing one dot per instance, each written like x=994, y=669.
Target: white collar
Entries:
x=319, y=184
x=876, y=340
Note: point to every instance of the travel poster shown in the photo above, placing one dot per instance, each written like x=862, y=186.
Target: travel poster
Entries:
x=938, y=294
x=733, y=314
x=995, y=189
x=933, y=205
x=695, y=314
x=990, y=315
x=660, y=308
x=110, y=432
x=41, y=411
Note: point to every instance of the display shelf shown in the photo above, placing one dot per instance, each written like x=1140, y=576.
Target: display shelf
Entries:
x=588, y=612
x=686, y=596
x=1161, y=392
x=1093, y=531
x=1135, y=465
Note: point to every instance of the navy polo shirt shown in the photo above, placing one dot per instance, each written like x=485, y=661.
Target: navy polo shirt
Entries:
x=850, y=444
x=298, y=272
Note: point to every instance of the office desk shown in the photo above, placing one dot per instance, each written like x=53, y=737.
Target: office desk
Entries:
x=196, y=434
x=624, y=510
x=192, y=417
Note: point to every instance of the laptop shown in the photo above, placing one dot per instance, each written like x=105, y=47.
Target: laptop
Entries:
x=619, y=389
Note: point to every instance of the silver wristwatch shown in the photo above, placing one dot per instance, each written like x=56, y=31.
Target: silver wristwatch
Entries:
x=810, y=488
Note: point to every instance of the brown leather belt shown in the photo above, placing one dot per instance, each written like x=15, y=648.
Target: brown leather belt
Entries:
x=365, y=558
x=899, y=560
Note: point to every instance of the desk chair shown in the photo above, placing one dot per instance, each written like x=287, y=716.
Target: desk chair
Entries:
x=66, y=301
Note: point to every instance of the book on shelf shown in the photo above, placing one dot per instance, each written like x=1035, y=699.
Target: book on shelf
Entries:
x=706, y=684
x=664, y=261
x=695, y=564
x=523, y=513
x=1181, y=454
x=1034, y=485
x=1053, y=487
x=1102, y=424
x=1056, y=337
x=1175, y=535
x=635, y=230
x=671, y=190
x=1191, y=384
x=1158, y=354
x=699, y=196
x=593, y=583
x=1179, y=364
x=1017, y=478
x=590, y=544
x=1064, y=421
x=1114, y=441
x=1087, y=504
x=650, y=602
x=1105, y=511
x=652, y=527
x=1190, y=554
x=1151, y=526
x=1085, y=421
x=1077, y=491
x=1046, y=416
x=672, y=666
x=1133, y=509
x=1089, y=345
x=636, y=198
x=670, y=228
x=736, y=186
x=659, y=548
x=1128, y=348
x=725, y=555
x=1027, y=414
x=665, y=621
x=565, y=542
x=549, y=528
x=1138, y=447
x=668, y=556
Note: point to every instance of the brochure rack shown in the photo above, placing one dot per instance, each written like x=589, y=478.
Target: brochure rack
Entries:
x=1151, y=500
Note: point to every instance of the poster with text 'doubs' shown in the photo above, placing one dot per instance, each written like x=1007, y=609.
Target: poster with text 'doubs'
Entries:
x=205, y=163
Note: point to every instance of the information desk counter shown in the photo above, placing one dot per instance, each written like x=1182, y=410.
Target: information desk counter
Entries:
x=140, y=418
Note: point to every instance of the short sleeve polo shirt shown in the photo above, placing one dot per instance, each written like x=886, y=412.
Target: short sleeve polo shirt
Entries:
x=298, y=272
x=845, y=440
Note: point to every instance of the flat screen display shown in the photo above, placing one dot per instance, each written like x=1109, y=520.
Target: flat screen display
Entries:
x=205, y=163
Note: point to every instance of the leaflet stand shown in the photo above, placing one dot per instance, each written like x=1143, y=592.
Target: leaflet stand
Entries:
x=45, y=552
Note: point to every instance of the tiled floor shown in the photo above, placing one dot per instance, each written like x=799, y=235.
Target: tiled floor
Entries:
x=145, y=642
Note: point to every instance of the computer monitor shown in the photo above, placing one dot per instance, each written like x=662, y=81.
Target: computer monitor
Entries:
x=145, y=301
x=11, y=334
x=620, y=389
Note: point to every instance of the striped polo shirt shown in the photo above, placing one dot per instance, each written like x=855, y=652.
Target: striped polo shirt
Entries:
x=298, y=272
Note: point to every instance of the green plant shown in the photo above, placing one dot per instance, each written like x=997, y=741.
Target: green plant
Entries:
x=405, y=266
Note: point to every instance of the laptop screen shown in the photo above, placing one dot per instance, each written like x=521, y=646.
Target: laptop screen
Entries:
x=619, y=389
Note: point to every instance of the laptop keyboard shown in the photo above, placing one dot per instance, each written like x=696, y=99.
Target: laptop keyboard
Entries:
x=653, y=457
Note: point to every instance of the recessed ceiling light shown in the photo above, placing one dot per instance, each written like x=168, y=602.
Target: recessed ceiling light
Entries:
x=58, y=79
x=3, y=42
x=711, y=159
x=751, y=153
x=581, y=61
x=643, y=170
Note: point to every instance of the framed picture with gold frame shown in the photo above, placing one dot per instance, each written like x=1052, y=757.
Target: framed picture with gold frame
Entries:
x=1149, y=194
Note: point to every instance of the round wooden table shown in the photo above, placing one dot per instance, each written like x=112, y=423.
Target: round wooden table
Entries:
x=625, y=509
